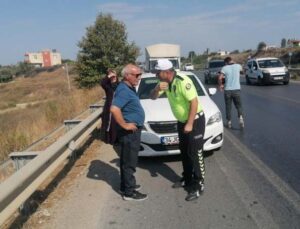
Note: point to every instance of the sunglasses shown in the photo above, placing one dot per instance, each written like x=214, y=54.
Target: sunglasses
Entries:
x=136, y=75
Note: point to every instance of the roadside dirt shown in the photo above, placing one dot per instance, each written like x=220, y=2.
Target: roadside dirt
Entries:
x=56, y=187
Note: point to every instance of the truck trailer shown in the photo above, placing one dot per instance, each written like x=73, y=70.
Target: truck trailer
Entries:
x=162, y=51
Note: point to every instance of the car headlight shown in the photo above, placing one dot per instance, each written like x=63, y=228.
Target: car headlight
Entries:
x=217, y=117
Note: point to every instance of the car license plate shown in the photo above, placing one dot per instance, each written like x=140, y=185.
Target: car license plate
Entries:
x=278, y=78
x=169, y=140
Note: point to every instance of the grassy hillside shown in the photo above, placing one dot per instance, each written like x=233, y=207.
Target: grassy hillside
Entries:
x=31, y=107
x=279, y=53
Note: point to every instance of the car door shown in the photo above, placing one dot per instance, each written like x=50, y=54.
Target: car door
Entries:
x=250, y=70
x=255, y=71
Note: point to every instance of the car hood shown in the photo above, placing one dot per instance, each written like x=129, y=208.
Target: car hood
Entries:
x=275, y=71
x=159, y=110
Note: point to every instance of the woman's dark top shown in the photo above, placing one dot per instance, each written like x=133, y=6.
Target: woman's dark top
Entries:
x=108, y=127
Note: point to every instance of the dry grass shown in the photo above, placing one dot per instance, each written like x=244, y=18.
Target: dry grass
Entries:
x=21, y=127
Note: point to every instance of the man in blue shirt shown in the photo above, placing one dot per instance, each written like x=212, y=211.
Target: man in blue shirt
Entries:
x=129, y=115
x=231, y=73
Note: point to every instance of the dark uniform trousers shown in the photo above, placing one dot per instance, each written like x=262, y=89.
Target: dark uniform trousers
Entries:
x=191, y=149
x=130, y=146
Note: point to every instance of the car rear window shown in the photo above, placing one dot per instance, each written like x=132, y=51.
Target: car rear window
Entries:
x=216, y=64
x=148, y=84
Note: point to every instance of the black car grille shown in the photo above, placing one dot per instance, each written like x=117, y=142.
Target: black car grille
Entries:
x=163, y=127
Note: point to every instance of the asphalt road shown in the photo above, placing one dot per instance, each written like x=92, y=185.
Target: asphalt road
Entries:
x=252, y=182
x=272, y=126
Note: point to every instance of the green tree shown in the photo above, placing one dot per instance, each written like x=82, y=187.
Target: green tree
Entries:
x=104, y=46
x=261, y=46
x=23, y=68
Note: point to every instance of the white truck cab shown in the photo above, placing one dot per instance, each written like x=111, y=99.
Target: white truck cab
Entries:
x=265, y=71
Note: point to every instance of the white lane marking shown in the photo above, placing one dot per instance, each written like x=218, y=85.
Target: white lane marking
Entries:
x=287, y=192
x=258, y=212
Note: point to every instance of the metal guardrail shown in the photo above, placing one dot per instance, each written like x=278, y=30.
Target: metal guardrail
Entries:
x=15, y=190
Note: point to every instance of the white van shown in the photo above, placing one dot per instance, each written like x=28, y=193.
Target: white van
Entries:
x=265, y=71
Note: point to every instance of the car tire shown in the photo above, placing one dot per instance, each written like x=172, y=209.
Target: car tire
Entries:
x=286, y=82
x=248, y=82
x=260, y=81
x=206, y=81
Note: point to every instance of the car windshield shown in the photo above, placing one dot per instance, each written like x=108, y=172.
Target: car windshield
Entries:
x=147, y=84
x=275, y=63
x=216, y=64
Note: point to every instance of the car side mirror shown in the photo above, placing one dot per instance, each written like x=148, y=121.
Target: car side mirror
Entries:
x=212, y=91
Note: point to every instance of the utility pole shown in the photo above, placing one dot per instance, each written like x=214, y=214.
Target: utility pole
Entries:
x=68, y=77
x=290, y=55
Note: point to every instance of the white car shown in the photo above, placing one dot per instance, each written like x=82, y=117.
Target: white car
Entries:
x=159, y=134
x=265, y=71
x=188, y=67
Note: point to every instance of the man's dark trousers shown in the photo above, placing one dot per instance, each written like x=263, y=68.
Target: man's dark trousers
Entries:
x=235, y=96
x=191, y=149
x=130, y=146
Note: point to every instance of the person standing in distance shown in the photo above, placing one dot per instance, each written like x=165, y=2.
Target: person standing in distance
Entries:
x=232, y=89
x=183, y=99
x=130, y=116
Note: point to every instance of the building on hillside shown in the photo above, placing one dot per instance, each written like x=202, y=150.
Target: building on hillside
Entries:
x=270, y=47
x=293, y=43
x=45, y=58
x=223, y=53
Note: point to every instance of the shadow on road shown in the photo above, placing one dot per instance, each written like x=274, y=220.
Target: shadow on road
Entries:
x=157, y=166
x=100, y=170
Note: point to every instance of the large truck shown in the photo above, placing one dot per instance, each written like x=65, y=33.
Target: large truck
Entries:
x=162, y=51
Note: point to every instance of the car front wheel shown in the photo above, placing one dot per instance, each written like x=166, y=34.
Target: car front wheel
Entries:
x=260, y=81
x=248, y=82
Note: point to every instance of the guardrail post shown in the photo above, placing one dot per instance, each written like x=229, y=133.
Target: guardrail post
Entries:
x=72, y=148
x=20, y=159
x=94, y=107
x=69, y=124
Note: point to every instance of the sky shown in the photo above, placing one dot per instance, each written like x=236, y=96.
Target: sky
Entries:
x=34, y=25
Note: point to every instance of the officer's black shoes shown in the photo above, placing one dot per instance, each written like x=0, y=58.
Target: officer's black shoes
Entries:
x=192, y=195
x=136, y=196
x=179, y=184
x=136, y=188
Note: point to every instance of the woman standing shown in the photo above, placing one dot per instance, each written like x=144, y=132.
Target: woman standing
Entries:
x=109, y=83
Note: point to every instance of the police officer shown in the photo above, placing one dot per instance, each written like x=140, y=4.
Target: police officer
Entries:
x=183, y=99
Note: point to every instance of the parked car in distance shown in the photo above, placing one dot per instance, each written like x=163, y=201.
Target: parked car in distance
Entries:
x=266, y=71
x=188, y=67
x=159, y=134
x=212, y=71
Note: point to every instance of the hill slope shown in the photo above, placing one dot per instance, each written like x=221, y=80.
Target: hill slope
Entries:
x=36, y=105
